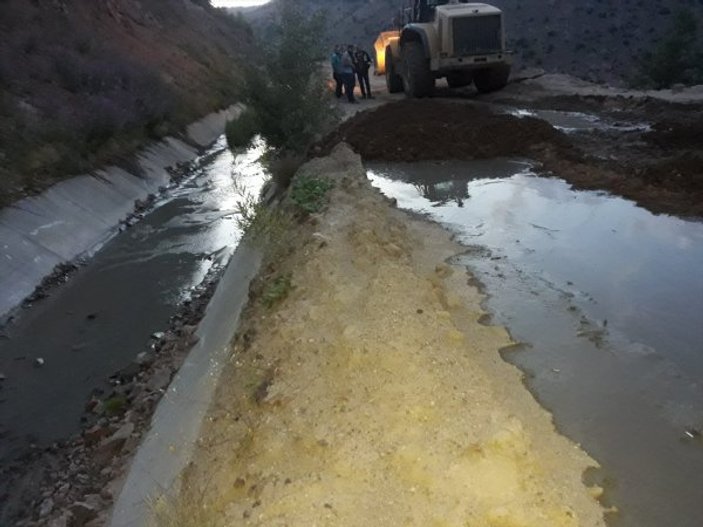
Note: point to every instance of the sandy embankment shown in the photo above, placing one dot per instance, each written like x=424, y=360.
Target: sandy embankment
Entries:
x=372, y=395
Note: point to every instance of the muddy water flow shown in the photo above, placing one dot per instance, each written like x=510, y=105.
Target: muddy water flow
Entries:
x=609, y=301
x=104, y=316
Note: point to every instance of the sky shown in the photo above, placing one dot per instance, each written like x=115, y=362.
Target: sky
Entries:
x=237, y=3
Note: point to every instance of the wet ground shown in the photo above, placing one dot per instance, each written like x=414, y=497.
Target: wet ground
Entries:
x=609, y=301
x=572, y=121
x=647, y=152
x=59, y=351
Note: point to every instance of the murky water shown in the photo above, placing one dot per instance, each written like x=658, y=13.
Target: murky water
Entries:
x=571, y=122
x=103, y=317
x=609, y=300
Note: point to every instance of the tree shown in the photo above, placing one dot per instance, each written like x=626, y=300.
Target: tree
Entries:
x=284, y=90
x=677, y=59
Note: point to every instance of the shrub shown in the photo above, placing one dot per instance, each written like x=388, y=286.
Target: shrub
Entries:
x=309, y=193
x=677, y=59
x=277, y=290
x=264, y=226
x=286, y=91
x=241, y=131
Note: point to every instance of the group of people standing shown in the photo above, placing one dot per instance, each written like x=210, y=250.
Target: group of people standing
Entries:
x=348, y=65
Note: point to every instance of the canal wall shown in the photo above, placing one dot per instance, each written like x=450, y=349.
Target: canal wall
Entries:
x=168, y=446
x=77, y=215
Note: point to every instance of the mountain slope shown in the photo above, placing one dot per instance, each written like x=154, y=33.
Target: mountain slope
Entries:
x=83, y=82
x=599, y=40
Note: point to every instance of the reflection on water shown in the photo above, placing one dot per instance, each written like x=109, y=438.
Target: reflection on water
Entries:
x=571, y=122
x=610, y=299
x=103, y=317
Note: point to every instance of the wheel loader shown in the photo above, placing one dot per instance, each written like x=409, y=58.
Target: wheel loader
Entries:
x=434, y=39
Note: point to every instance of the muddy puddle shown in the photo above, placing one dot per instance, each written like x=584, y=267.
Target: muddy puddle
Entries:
x=56, y=353
x=574, y=122
x=608, y=300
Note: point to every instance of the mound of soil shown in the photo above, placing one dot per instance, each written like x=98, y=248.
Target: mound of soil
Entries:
x=661, y=170
x=683, y=172
x=414, y=130
x=676, y=134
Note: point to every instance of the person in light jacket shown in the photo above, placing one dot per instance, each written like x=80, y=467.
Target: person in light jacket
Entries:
x=348, y=73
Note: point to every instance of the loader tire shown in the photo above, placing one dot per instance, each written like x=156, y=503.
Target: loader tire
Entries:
x=417, y=79
x=492, y=79
x=394, y=82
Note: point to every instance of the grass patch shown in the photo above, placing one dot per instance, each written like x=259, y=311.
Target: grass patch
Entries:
x=266, y=227
x=115, y=405
x=309, y=193
x=277, y=290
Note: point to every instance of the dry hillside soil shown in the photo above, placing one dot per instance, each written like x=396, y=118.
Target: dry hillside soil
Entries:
x=85, y=83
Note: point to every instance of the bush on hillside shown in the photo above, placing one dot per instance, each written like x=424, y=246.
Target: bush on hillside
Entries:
x=677, y=59
x=80, y=89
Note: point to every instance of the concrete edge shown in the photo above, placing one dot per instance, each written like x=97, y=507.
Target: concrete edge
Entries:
x=76, y=215
x=168, y=446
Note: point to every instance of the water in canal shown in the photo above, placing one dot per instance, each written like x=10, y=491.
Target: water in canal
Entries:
x=103, y=317
x=608, y=300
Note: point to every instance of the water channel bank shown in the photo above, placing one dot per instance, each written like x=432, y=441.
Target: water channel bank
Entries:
x=371, y=394
x=98, y=353
x=74, y=217
x=608, y=300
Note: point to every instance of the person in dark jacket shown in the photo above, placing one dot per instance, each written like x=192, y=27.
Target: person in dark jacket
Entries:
x=348, y=74
x=336, y=60
x=362, y=64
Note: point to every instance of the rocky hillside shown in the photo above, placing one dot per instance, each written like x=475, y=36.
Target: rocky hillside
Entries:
x=599, y=40
x=83, y=83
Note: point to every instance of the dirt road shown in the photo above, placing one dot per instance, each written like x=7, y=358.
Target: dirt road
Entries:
x=373, y=395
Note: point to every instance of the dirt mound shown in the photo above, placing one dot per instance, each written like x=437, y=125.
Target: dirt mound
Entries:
x=684, y=172
x=661, y=170
x=676, y=134
x=426, y=130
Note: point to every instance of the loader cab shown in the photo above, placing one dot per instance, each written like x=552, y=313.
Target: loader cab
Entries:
x=423, y=11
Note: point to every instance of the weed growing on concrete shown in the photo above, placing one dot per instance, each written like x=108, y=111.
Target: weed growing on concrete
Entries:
x=277, y=290
x=264, y=226
x=309, y=193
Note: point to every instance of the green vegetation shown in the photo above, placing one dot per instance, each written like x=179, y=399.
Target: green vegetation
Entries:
x=677, y=59
x=277, y=290
x=265, y=226
x=288, y=107
x=284, y=89
x=115, y=405
x=242, y=131
x=78, y=92
x=309, y=193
